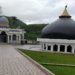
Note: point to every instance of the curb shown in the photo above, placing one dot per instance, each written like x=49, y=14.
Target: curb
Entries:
x=67, y=65
x=46, y=71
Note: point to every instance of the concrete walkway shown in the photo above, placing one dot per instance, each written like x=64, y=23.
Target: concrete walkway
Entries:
x=29, y=47
x=13, y=63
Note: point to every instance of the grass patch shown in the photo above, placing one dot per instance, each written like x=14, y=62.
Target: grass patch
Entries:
x=61, y=70
x=47, y=57
x=58, y=58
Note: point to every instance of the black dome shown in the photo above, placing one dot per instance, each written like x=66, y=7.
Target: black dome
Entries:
x=63, y=28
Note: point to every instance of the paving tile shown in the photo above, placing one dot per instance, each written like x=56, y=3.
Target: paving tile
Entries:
x=13, y=63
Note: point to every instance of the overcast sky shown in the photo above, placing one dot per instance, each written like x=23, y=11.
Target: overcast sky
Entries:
x=37, y=11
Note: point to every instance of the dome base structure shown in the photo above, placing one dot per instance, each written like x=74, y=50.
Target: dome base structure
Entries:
x=57, y=45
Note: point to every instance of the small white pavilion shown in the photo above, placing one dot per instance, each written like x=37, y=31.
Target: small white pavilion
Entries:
x=8, y=35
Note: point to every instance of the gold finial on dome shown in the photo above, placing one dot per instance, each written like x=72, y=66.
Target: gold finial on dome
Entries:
x=65, y=13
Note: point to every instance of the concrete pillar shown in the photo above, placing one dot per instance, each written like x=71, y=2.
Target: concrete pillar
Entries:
x=65, y=48
x=11, y=38
x=8, y=38
x=19, y=38
x=46, y=47
x=23, y=36
x=42, y=46
x=51, y=48
x=58, y=48
x=72, y=49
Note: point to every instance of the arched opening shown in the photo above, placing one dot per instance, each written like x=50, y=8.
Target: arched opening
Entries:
x=49, y=47
x=3, y=37
x=14, y=37
x=55, y=48
x=69, y=48
x=62, y=48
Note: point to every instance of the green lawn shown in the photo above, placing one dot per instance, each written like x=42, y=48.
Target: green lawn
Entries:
x=47, y=57
x=61, y=70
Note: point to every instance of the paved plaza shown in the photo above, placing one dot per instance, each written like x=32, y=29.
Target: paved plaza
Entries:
x=13, y=63
x=29, y=47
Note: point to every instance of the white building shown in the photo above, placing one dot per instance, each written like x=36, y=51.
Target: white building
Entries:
x=60, y=35
x=8, y=35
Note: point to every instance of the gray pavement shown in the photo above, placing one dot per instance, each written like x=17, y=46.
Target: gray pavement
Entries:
x=29, y=47
x=13, y=63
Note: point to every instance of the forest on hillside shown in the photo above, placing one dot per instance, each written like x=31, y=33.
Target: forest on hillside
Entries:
x=34, y=31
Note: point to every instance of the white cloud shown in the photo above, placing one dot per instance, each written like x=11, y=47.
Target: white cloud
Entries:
x=36, y=11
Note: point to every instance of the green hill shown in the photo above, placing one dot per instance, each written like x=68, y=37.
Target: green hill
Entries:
x=14, y=23
x=32, y=30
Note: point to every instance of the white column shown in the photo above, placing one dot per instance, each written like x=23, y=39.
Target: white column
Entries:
x=19, y=38
x=72, y=49
x=58, y=48
x=65, y=48
x=51, y=48
x=11, y=38
x=42, y=46
x=23, y=36
x=8, y=38
x=46, y=47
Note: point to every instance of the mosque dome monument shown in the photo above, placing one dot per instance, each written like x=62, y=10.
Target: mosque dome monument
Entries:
x=59, y=36
x=62, y=28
